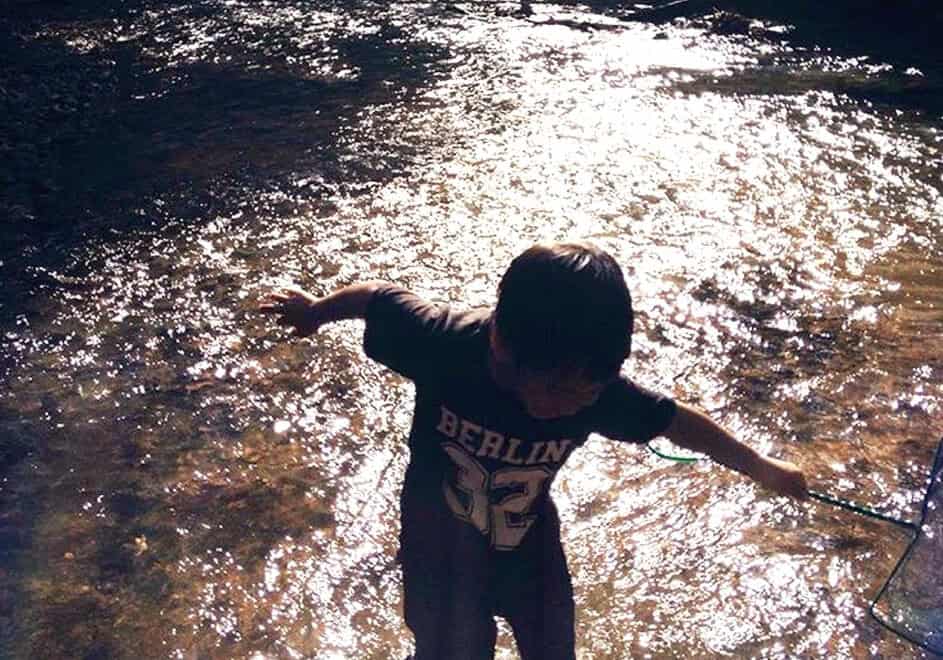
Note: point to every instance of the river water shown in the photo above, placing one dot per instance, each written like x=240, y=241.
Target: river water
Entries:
x=188, y=482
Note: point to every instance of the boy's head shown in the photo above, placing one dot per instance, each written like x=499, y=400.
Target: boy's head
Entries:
x=564, y=320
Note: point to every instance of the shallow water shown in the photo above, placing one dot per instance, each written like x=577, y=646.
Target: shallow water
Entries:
x=198, y=486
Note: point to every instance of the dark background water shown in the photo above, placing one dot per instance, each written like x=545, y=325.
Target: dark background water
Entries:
x=175, y=477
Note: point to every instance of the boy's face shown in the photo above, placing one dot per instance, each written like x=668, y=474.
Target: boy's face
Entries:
x=557, y=393
x=549, y=394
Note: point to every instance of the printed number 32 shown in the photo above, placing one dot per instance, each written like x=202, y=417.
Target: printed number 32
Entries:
x=507, y=520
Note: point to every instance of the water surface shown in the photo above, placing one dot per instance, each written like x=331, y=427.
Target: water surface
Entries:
x=193, y=484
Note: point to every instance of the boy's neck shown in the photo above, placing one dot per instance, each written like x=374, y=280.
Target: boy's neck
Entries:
x=501, y=368
x=502, y=372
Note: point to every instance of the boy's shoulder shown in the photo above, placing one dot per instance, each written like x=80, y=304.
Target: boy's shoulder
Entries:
x=630, y=412
x=420, y=338
x=437, y=317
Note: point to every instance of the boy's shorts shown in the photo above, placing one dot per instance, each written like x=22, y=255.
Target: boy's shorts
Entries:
x=454, y=585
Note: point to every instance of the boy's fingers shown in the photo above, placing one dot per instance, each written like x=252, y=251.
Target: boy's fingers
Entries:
x=276, y=298
x=284, y=294
x=803, y=491
x=798, y=488
x=281, y=298
x=288, y=293
x=274, y=307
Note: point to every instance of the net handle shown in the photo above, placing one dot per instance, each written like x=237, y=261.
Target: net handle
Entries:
x=863, y=510
x=821, y=497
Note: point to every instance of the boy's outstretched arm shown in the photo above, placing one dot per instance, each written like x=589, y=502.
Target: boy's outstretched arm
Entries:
x=694, y=430
x=306, y=313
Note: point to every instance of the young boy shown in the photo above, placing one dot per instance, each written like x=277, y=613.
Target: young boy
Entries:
x=502, y=399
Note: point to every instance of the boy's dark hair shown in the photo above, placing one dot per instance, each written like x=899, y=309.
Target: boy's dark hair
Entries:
x=566, y=305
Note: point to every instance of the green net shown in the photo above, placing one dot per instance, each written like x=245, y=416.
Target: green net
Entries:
x=911, y=601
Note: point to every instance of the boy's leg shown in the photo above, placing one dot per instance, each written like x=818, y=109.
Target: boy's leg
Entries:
x=536, y=595
x=448, y=622
x=447, y=601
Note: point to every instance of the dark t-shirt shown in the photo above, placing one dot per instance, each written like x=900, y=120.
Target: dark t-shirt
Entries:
x=476, y=455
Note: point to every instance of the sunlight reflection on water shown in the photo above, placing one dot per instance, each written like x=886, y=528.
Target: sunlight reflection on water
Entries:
x=782, y=249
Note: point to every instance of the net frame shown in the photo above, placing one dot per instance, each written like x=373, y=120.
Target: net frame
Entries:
x=927, y=642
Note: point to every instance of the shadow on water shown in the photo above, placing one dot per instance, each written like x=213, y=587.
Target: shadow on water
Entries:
x=902, y=35
x=89, y=136
x=899, y=32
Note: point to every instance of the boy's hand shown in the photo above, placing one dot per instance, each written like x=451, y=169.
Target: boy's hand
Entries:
x=782, y=477
x=296, y=308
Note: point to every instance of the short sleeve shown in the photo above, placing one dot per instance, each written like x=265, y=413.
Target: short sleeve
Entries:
x=630, y=413
x=404, y=331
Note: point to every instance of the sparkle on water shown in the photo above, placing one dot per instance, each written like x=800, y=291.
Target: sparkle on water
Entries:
x=207, y=487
